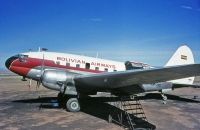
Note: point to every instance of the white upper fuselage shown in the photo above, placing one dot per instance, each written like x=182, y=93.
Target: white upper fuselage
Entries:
x=79, y=61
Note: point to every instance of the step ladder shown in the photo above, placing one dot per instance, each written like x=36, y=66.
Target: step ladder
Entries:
x=132, y=106
x=129, y=112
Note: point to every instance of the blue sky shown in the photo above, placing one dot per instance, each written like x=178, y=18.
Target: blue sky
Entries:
x=141, y=30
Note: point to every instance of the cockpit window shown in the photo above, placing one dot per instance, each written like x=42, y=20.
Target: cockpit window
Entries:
x=22, y=58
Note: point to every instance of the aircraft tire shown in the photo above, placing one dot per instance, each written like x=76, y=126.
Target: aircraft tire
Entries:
x=73, y=105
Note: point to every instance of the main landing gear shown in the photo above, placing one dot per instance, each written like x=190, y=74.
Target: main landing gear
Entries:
x=71, y=103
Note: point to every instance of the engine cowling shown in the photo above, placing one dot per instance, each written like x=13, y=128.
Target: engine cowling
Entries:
x=53, y=79
x=163, y=86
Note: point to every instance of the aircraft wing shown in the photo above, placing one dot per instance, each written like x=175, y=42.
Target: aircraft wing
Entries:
x=113, y=80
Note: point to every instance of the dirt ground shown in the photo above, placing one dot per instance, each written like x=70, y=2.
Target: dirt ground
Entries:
x=23, y=108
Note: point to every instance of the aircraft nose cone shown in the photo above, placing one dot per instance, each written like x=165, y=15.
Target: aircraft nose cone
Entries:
x=9, y=61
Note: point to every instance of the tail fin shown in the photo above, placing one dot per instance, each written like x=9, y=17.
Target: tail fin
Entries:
x=182, y=56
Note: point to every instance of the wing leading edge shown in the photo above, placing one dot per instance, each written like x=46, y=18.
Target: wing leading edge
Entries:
x=113, y=80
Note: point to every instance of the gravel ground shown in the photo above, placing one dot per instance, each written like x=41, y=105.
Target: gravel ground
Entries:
x=25, y=108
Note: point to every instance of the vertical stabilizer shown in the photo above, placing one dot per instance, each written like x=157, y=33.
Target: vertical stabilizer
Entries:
x=182, y=56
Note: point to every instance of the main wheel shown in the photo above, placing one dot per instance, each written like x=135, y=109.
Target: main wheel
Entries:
x=73, y=105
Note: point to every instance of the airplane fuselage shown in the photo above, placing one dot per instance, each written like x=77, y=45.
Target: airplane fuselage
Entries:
x=32, y=63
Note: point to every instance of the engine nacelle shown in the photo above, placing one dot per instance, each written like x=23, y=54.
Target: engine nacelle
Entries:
x=53, y=79
x=157, y=86
x=130, y=65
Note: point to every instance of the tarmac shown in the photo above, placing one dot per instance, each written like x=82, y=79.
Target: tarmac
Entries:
x=30, y=108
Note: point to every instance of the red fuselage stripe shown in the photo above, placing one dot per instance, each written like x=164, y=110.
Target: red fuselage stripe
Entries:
x=22, y=68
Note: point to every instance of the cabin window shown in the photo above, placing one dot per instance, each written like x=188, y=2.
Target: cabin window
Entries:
x=67, y=64
x=106, y=69
x=77, y=65
x=97, y=68
x=58, y=62
x=87, y=65
x=23, y=58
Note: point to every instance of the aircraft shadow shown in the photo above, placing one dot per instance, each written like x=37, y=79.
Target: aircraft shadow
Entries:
x=169, y=96
x=95, y=106
x=98, y=108
x=111, y=99
x=44, y=102
x=37, y=100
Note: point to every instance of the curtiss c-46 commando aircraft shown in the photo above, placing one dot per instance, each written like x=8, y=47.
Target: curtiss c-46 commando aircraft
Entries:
x=76, y=75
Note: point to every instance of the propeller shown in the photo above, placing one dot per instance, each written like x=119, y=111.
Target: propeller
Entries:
x=41, y=72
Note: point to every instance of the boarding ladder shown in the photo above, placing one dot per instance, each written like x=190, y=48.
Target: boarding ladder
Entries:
x=131, y=112
x=132, y=105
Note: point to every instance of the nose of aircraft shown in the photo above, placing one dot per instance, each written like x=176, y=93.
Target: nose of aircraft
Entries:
x=9, y=61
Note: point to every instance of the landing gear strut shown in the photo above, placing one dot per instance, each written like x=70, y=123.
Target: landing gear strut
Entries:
x=60, y=96
x=71, y=103
x=164, y=97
